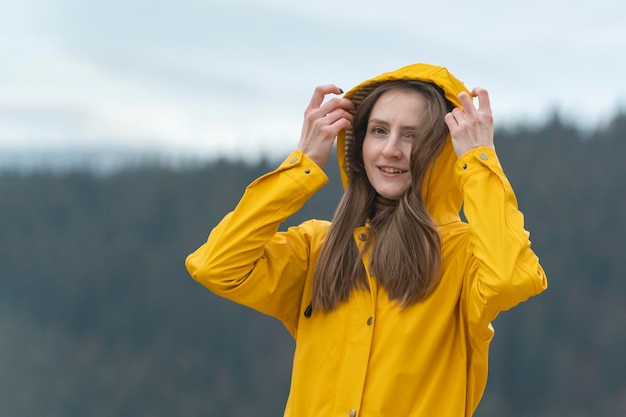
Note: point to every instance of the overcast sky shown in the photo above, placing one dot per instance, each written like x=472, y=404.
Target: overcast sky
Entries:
x=208, y=77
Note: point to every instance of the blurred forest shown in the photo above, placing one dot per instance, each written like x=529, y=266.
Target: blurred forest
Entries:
x=98, y=316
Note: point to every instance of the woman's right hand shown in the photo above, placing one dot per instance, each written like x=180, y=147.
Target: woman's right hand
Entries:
x=322, y=123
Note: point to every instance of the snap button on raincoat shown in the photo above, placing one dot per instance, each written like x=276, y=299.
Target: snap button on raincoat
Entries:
x=368, y=357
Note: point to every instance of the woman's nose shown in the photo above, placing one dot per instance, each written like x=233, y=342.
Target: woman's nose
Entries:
x=392, y=148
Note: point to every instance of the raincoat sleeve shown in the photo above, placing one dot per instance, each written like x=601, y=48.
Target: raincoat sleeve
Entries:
x=247, y=260
x=502, y=270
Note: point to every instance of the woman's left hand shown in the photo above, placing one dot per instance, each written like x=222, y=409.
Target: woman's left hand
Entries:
x=471, y=127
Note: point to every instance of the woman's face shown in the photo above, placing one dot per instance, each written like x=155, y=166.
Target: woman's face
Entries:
x=391, y=130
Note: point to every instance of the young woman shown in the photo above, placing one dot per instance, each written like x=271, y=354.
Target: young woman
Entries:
x=390, y=304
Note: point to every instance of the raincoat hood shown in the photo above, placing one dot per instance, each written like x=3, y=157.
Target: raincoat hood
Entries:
x=440, y=193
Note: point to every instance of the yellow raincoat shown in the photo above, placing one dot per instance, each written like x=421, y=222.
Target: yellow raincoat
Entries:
x=369, y=358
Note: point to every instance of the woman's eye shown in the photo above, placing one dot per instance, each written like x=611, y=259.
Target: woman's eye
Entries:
x=378, y=131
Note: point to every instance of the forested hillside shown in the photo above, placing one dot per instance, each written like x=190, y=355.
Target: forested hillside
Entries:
x=98, y=316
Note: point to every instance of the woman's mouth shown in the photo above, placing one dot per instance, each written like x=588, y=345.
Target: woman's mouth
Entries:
x=392, y=170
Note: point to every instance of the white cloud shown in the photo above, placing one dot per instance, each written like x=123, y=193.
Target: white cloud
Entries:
x=223, y=77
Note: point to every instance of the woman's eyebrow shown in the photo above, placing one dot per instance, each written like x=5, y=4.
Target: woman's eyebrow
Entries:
x=378, y=122
x=384, y=122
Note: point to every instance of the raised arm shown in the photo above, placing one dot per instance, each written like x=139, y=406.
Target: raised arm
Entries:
x=503, y=269
x=245, y=258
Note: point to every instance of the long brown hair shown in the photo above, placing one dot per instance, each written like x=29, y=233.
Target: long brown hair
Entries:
x=405, y=245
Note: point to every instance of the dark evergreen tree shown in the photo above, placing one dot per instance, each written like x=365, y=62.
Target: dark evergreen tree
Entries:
x=98, y=316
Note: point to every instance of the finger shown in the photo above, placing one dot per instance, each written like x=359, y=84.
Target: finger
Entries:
x=336, y=115
x=458, y=115
x=320, y=92
x=336, y=123
x=341, y=124
x=483, y=98
x=466, y=102
x=450, y=121
x=336, y=103
x=330, y=112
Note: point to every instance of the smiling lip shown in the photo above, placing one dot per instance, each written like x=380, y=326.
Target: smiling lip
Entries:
x=391, y=170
